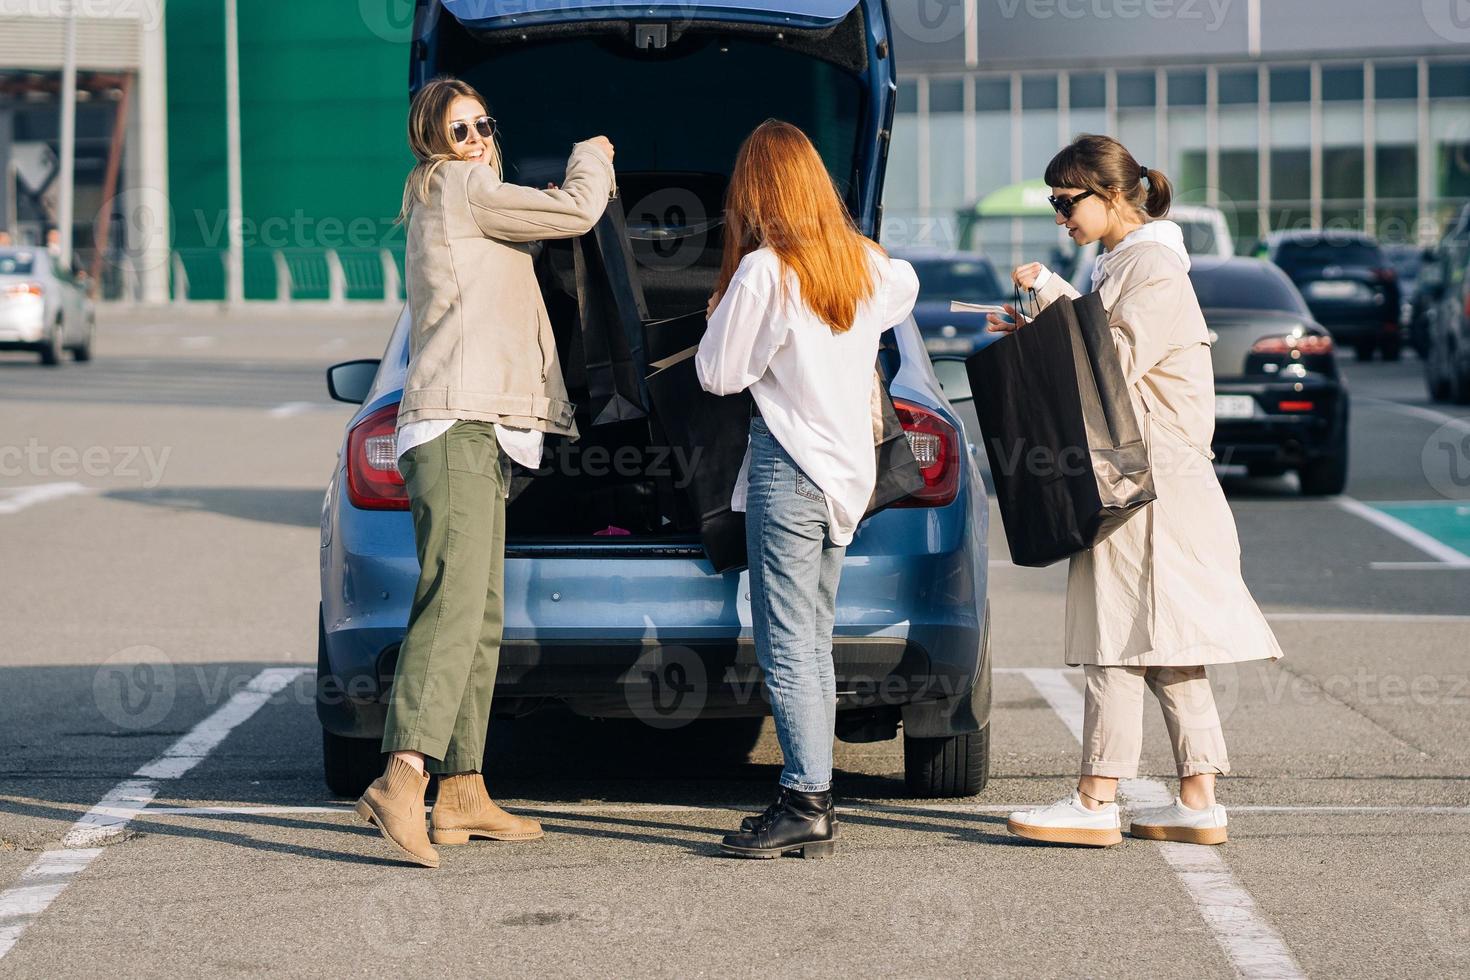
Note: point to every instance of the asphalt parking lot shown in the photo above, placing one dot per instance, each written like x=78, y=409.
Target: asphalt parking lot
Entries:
x=162, y=809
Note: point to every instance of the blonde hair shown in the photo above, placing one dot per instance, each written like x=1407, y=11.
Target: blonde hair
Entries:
x=429, y=141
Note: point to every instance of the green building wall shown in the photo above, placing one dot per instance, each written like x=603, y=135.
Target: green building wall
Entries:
x=323, y=108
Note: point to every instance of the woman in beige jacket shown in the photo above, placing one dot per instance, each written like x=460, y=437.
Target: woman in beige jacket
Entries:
x=1162, y=596
x=483, y=388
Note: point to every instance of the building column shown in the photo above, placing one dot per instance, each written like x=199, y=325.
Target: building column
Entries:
x=152, y=217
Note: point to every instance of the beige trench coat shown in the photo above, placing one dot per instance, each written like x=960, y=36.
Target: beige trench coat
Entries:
x=1164, y=589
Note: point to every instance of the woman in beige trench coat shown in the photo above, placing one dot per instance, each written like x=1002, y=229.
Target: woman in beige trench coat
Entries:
x=1162, y=596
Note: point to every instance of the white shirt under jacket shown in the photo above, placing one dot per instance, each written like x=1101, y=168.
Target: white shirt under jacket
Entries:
x=813, y=387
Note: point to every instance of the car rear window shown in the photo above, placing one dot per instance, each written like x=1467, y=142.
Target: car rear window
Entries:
x=1199, y=238
x=1246, y=286
x=1329, y=252
x=971, y=280
x=16, y=264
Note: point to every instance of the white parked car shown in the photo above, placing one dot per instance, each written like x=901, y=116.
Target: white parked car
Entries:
x=42, y=308
x=1205, y=233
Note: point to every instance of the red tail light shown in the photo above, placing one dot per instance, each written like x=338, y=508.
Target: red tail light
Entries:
x=936, y=445
x=24, y=289
x=1309, y=344
x=1295, y=406
x=373, y=480
x=1385, y=275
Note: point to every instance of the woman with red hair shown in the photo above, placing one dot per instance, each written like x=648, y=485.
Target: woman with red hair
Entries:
x=802, y=299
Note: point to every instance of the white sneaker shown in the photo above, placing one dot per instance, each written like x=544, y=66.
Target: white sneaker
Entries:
x=1178, y=822
x=1069, y=822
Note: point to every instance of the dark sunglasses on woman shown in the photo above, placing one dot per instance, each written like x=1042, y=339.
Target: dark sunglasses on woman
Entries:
x=1063, y=205
x=459, y=130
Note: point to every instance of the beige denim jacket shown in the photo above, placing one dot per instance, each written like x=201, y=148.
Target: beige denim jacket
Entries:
x=481, y=345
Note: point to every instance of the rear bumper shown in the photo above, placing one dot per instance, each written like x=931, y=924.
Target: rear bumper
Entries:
x=1348, y=324
x=664, y=638
x=1286, y=439
x=22, y=321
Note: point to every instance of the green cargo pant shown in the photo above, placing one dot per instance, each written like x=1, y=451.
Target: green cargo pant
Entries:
x=445, y=677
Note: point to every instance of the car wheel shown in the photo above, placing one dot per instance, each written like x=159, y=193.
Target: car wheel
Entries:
x=1364, y=349
x=51, y=349
x=1325, y=476
x=1459, y=382
x=82, y=352
x=350, y=764
x=1434, y=379
x=1392, y=350
x=958, y=765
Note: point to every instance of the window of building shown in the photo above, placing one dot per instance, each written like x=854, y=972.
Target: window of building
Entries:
x=1038, y=92
x=946, y=95
x=1238, y=87
x=908, y=97
x=993, y=94
x=1449, y=80
x=1087, y=91
x=1342, y=84
x=1136, y=88
x=1291, y=85
x=1342, y=173
x=1395, y=81
x=1186, y=88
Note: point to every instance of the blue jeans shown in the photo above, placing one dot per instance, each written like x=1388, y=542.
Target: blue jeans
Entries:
x=794, y=569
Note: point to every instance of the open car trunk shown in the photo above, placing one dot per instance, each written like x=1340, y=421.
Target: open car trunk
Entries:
x=677, y=94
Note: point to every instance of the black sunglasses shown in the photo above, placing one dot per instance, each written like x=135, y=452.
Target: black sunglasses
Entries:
x=459, y=130
x=1064, y=205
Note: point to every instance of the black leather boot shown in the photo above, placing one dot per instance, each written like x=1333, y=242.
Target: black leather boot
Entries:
x=750, y=823
x=796, y=822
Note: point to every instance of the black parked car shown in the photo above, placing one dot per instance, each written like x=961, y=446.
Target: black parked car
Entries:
x=1280, y=402
x=1446, y=324
x=1349, y=284
x=945, y=276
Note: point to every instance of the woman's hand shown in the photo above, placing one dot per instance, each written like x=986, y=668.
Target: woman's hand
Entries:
x=994, y=324
x=709, y=307
x=1025, y=275
x=603, y=143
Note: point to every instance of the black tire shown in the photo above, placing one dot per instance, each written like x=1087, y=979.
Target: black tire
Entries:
x=959, y=765
x=1364, y=350
x=1392, y=350
x=1325, y=476
x=82, y=352
x=350, y=764
x=51, y=349
x=1437, y=384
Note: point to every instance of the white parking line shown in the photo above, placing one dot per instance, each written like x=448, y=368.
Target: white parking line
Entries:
x=1418, y=412
x=290, y=409
x=1428, y=544
x=17, y=499
x=1255, y=948
x=49, y=874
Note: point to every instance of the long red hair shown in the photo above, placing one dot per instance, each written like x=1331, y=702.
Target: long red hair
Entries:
x=781, y=195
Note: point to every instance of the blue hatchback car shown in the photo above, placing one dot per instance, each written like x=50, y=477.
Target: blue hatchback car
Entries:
x=612, y=607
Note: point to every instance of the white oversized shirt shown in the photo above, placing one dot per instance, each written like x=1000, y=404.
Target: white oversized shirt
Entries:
x=813, y=387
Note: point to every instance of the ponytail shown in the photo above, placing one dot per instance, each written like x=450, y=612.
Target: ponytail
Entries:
x=1104, y=166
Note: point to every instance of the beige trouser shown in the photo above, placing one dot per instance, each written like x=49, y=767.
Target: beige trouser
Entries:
x=1112, y=720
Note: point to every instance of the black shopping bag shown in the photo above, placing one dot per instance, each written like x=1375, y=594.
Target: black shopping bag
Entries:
x=612, y=310
x=1065, y=448
x=710, y=434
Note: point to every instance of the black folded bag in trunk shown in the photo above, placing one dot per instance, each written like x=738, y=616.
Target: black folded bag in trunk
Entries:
x=711, y=432
x=1065, y=448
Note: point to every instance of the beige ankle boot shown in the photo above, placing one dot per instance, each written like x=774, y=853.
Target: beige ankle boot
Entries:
x=464, y=810
x=394, y=803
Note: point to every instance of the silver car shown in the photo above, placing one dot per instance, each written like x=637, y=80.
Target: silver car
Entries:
x=43, y=308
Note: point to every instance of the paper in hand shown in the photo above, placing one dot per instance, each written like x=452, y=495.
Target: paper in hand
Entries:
x=959, y=306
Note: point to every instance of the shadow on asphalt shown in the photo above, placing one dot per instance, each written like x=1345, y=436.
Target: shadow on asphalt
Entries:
x=270, y=505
